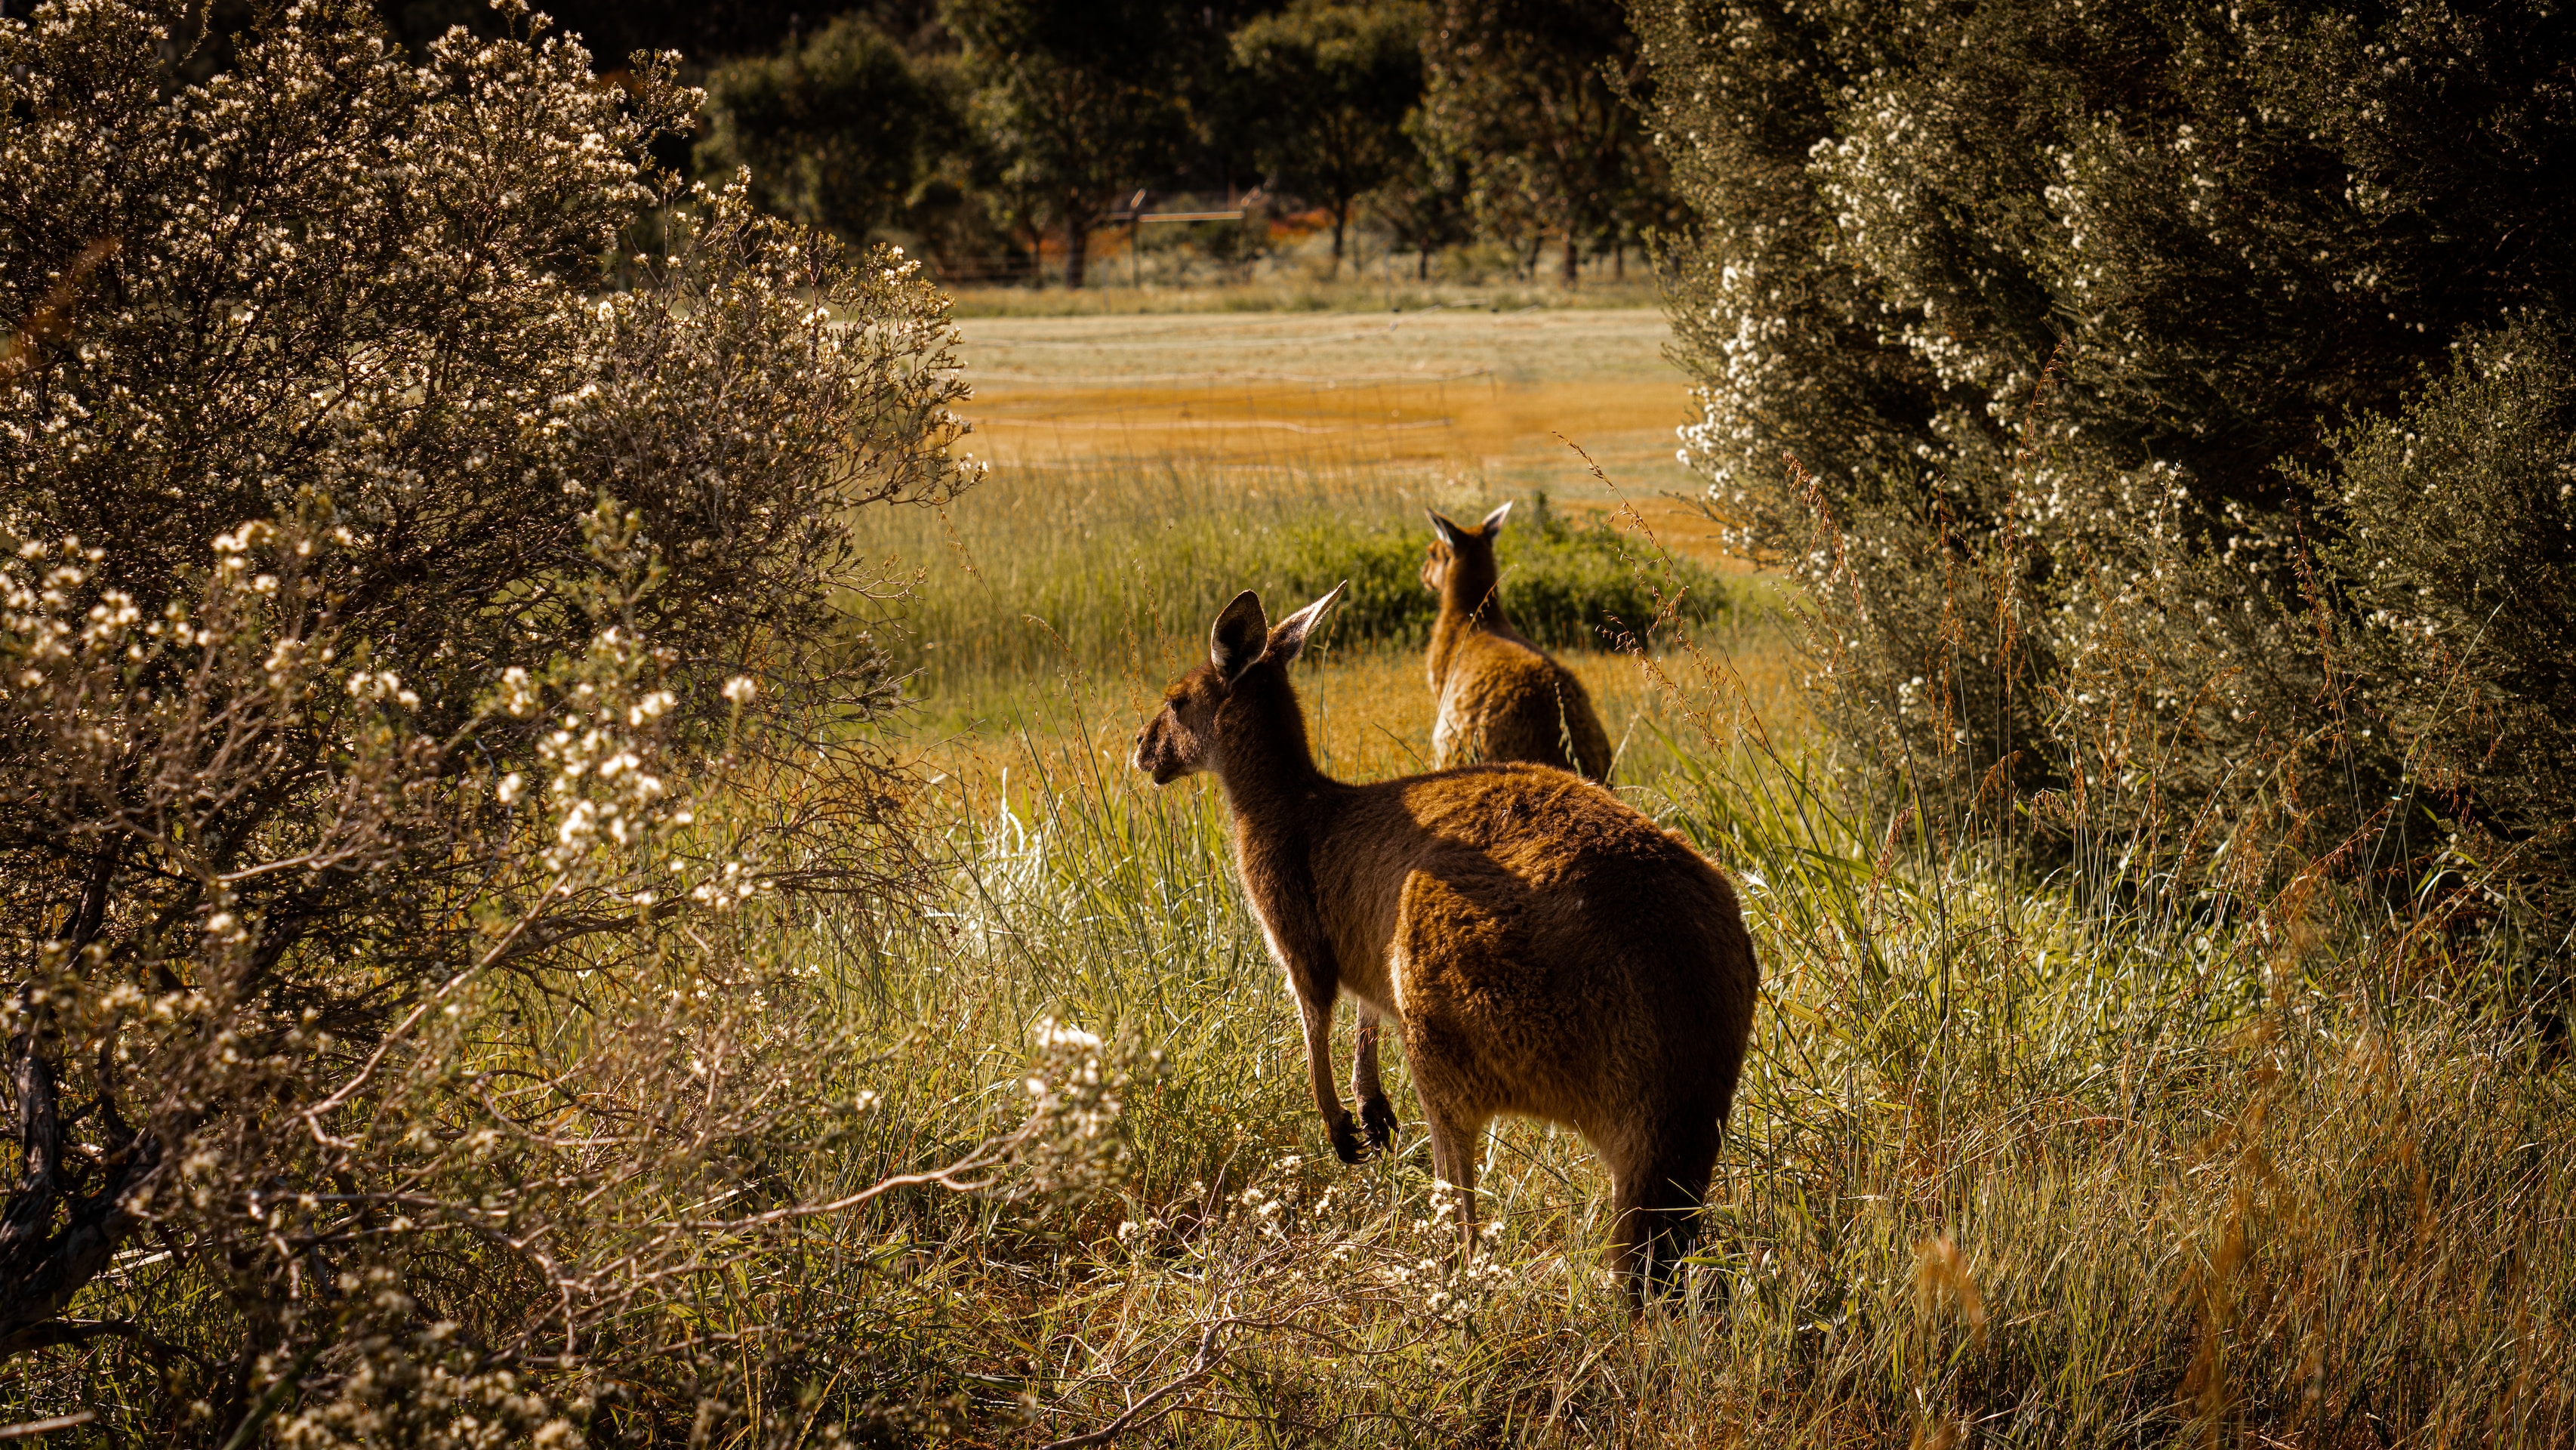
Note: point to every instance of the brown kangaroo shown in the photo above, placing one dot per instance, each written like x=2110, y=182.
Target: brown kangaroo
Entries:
x=1543, y=949
x=1499, y=696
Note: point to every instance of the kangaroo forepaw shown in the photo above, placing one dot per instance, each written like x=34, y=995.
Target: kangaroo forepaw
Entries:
x=1379, y=1119
x=1346, y=1139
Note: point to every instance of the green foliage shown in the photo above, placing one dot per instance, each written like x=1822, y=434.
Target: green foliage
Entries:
x=1565, y=585
x=2051, y=303
x=1425, y=203
x=1102, y=568
x=1077, y=102
x=1531, y=98
x=984, y=131
x=836, y=131
x=1339, y=81
x=2457, y=544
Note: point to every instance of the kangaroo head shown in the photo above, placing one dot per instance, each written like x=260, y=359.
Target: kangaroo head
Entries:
x=1185, y=736
x=1466, y=554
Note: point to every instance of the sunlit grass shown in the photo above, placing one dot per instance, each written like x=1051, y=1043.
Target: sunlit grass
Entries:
x=2004, y=1166
x=1999, y=1168
x=2008, y=1164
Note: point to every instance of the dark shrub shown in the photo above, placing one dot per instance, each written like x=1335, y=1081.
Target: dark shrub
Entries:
x=2052, y=303
x=2457, y=521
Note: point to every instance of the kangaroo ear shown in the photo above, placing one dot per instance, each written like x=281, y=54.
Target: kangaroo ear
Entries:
x=1449, y=533
x=1493, y=523
x=1239, y=636
x=1290, y=636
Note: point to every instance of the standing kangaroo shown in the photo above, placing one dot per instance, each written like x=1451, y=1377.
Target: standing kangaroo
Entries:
x=1499, y=696
x=1543, y=949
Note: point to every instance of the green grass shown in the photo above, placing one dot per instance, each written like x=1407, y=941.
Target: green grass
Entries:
x=1996, y=1164
x=1105, y=567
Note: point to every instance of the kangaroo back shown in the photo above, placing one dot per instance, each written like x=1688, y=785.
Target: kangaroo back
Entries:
x=1499, y=697
x=1541, y=948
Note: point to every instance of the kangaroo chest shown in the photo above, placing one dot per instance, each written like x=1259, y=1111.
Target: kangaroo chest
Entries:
x=1322, y=929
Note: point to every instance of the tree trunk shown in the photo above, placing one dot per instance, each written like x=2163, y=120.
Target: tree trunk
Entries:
x=1422, y=265
x=1341, y=219
x=1026, y=229
x=1619, y=260
x=1573, y=261
x=1077, y=241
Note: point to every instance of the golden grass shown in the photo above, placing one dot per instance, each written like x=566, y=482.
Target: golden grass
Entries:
x=2009, y=1164
x=1493, y=404
x=1368, y=710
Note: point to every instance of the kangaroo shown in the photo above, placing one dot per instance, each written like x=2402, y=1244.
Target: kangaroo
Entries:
x=1499, y=696
x=1543, y=949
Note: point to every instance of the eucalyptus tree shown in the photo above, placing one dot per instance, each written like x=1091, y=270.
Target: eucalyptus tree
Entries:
x=1081, y=103
x=1536, y=99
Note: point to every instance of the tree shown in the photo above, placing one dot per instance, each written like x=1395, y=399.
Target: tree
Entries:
x=1533, y=95
x=1081, y=102
x=836, y=130
x=1339, y=81
x=2058, y=308
x=404, y=583
x=1424, y=201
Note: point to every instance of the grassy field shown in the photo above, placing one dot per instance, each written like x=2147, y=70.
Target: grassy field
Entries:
x=2013, y=1162
x=1441, y=406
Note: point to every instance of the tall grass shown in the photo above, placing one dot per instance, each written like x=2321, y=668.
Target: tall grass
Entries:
x=1118, y=566
x=2012, y=1161
x=2002, y=1168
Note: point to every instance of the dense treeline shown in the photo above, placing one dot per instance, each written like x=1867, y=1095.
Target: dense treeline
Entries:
x=994, y=138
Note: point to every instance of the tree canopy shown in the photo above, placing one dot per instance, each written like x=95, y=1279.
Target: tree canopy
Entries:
x=1336, y=83
x=1533, y=96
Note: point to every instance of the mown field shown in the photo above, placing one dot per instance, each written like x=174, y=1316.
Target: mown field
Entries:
x=2016, y=1161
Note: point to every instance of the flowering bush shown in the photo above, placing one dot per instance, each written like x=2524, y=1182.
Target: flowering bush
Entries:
x=2023, y=330
x=2456, y=548
x=421, y=527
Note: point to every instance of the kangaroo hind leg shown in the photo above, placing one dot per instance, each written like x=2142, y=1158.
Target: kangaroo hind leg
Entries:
x=1454, y=1136
x=1656, y=1199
